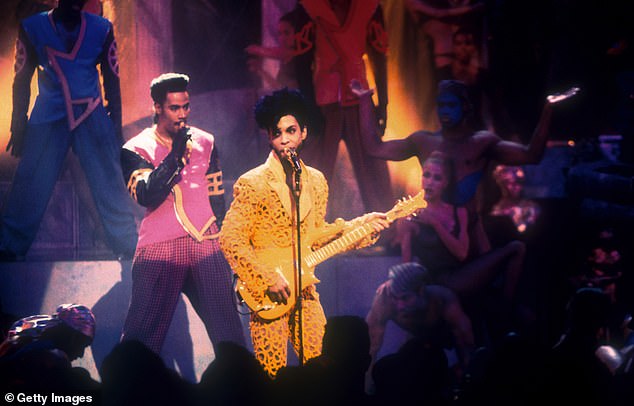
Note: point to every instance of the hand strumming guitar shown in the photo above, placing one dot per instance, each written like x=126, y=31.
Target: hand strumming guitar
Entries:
x=279, y=292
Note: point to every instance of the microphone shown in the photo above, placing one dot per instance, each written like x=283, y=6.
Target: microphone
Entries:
x=291, y=155
x=183, y=131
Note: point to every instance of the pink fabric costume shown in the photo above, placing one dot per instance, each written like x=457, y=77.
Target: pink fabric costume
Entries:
x=178, y=249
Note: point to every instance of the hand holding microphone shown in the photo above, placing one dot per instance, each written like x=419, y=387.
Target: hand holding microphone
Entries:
x=179, y=142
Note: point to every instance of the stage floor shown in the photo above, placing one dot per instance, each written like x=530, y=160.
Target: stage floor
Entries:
x=32, y=287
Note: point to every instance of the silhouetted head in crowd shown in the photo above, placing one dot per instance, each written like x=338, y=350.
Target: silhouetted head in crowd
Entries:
x=132, y=374
x=337, y=376
x=588, y=312
x=234, y=377
x=416, y=374
x=347, y=340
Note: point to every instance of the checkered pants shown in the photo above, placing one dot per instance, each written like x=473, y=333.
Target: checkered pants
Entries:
x=161, y=271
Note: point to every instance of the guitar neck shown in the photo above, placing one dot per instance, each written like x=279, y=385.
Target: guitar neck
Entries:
x=346, y=241
x=338, y=246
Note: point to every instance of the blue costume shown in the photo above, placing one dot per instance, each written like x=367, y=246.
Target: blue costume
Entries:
x=68, y=112
x=464, y=189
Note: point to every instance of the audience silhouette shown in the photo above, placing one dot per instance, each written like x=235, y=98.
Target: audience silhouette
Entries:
x=337, y=376
x=132, y=374
x=575, y=372
x=234, y=377
x=583, y=367
x=416, y=374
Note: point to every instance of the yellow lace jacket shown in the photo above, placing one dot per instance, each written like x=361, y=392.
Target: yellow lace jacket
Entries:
x=260, y=218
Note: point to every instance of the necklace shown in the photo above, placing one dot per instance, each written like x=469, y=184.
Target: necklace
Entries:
x=166, y=142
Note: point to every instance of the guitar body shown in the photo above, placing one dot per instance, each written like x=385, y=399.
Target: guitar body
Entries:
x=280, y=259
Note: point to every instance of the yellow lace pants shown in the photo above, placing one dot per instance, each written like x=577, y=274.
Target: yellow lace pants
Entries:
x=270, y=337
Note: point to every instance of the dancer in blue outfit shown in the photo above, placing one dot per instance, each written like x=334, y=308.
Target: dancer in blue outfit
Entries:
x=66, y=46
x=471, y=151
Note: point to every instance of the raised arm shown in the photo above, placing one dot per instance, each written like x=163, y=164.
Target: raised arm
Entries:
x=150, y=186
x=377, y=55
x=278, y=52
x=394, y=150
x=512, y=153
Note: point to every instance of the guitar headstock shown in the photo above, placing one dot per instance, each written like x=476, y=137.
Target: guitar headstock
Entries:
x=406, y=206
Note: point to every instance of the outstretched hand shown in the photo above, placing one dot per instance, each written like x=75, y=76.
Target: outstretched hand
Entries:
x=380, y=111
x=358, y=90
x=558, y=97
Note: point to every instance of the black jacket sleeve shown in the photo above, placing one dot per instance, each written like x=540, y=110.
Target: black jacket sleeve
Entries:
x=147, y=185
x=109, y=62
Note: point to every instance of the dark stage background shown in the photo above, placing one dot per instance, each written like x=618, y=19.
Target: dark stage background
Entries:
x=533, y=48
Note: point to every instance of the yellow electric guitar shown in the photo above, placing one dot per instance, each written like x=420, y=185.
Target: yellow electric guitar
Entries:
x=282, y=260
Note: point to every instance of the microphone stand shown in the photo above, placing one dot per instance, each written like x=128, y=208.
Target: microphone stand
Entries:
x=300, y=328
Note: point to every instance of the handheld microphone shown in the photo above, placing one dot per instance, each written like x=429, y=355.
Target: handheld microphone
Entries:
x=291, y=155
x=183, y=131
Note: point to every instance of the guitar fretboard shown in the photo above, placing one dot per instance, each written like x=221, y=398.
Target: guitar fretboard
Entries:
x=338, y=246
x=346, y=241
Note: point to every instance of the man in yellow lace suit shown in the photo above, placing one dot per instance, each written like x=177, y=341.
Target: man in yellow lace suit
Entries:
x=259, y=234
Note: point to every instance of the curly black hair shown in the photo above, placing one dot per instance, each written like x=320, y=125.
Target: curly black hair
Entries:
x=283, y=102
